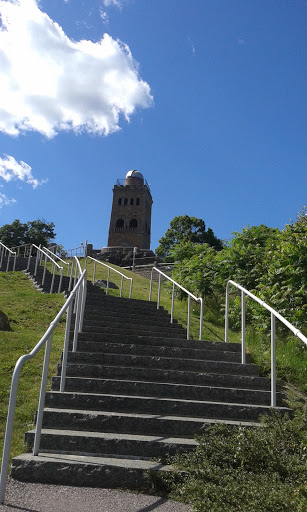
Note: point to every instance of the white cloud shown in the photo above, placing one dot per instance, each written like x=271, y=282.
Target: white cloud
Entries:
x=104, y=16
x=10, y=170
x=49, y=83
x=107, y=3
x=5, y=201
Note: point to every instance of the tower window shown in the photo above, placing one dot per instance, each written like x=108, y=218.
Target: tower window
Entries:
x=126, y=201
x=131, y=201
x=119, y=201
x=119, y=226
x=137, y=201
x=133, y=224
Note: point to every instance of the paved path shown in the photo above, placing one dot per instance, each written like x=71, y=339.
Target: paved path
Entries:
x=26, y=497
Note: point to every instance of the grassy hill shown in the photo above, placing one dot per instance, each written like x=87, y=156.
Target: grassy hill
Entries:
x=31, y=312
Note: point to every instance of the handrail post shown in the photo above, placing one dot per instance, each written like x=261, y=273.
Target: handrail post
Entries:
x=65, y=349
x=273, y=361
x=243, y=358
x=39, y=419
x=75, y=278
x=201, y=318
x=14, y=264
x=61, y=279
x=2, y=254
x=94, y=272
x=36, y=262
x=150, y=287
x=227, y=313
x=29, y=258
x=77, y=320
x=9, y=431
x=172, y=308
x=45, y=268
x=108, y=282
x=71, y=274
x=83, y=299
x=121, y=286
x=52, y=281
x=159, y=291
x=189, y=317
x=8, y=262
x=130, y=292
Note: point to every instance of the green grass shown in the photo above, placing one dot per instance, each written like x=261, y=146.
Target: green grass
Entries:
x=30, y=313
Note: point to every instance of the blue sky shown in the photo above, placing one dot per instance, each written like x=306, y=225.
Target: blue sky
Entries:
x=205, y=97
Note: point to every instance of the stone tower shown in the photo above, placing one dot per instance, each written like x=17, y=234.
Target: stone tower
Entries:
x=130, y=222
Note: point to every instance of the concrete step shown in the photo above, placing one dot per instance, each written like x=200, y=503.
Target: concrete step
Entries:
x=150, y=326
x=159, y=423
x=170, y=390
x=109, y=444
x=89, y=385
x=148, y=405
x=115, y=321
x=109, y=312
x=120, y=302
x=137, y=331
x=97, y=338
x=85, y=471
x=94, y=349
x=162, y=363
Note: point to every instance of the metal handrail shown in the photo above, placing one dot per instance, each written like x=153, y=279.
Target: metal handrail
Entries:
x=79, y=296
x=40, y=253
x=274, y=315
x=190, y=295
x=109, y=270
x=80, y=249
x=58, y=257
x=5, y=249
x=19, y=247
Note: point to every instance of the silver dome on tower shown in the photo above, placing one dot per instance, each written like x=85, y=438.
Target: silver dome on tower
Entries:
x=134, y=177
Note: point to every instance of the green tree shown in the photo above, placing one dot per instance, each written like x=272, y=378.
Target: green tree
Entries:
x=186, y=229
x=284, y=284
x=269, y=262
x=33, y=232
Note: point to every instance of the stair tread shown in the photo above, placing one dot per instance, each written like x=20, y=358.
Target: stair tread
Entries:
x=115, y=436
x=168, y=384
x=162, y=399
x=124, y=462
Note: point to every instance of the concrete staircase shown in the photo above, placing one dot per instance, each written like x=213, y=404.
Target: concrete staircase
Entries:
x=137, y=390
x=21, y=265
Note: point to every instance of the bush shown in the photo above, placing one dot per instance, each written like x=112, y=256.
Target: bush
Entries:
x=244, y=469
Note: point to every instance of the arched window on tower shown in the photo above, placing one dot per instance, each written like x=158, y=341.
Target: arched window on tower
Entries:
x=131, y=201
x=137, y=201
x=119, y=201
x=133, y=224
x=126, y=201
x=120, y=225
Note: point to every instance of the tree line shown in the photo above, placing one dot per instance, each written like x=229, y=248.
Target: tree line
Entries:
x=269, y=262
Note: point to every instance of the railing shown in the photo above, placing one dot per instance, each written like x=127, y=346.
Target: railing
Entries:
x=76, y=298
x=58, y=258
x=190, y=295
x=108, y=279
x=5, y=250
x=40, y=254
x=24, y=248
x=79, y=252
x=274, y=315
